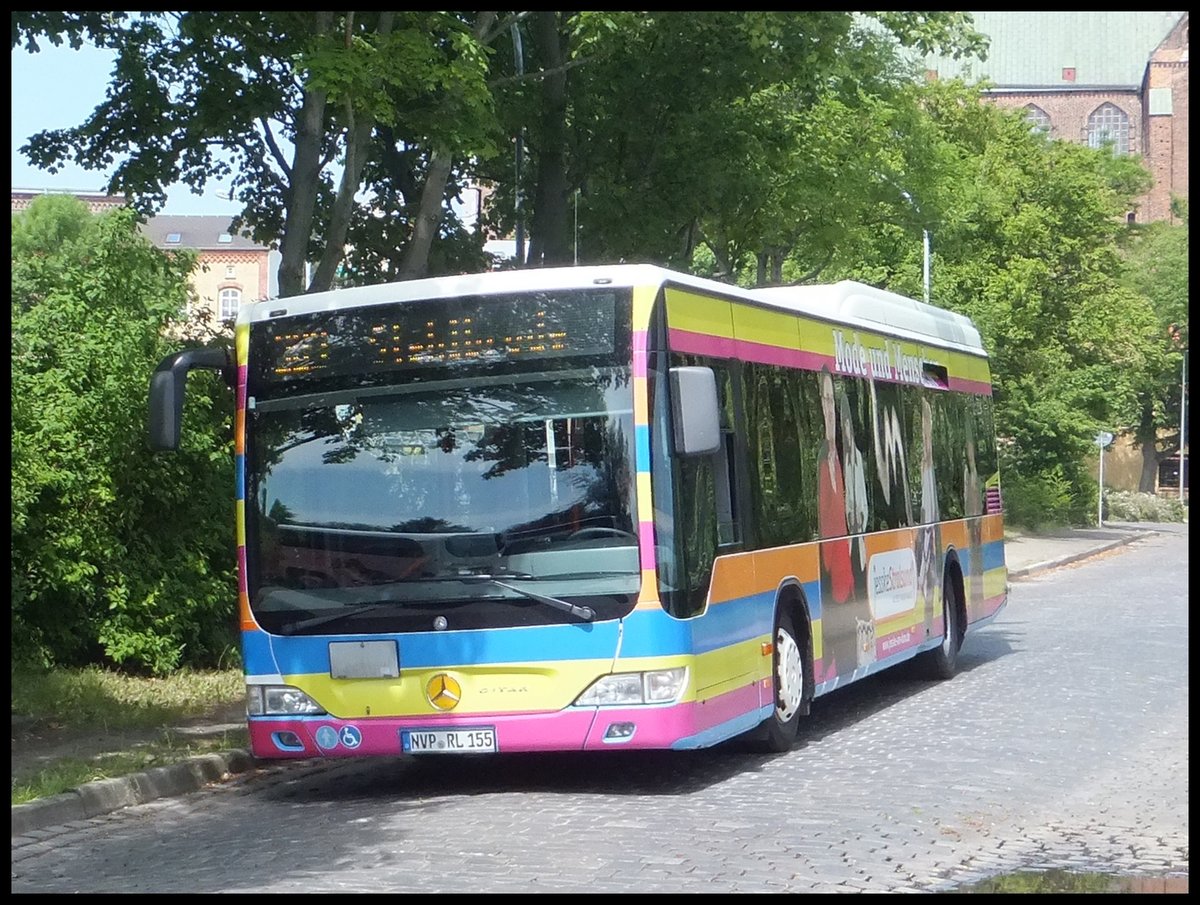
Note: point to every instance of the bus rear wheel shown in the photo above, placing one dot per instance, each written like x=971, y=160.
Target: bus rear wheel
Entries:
x=790, y=668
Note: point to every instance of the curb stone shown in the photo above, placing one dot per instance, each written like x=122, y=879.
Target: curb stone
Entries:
x=1035, y=568
x=95, y=799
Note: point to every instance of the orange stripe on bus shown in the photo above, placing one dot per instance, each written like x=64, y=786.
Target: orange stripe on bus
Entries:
x=954, y=534
x=247, y=618
x=744, y=574
x=993, y=528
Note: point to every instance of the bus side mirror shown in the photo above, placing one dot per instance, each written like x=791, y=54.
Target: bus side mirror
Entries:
x=695, y=410
x=167, y=385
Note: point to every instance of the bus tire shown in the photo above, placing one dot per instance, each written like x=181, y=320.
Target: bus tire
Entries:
x=942, y=661
x=790, y=671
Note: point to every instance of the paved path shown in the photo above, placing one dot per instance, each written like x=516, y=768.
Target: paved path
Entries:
x=1026, y=555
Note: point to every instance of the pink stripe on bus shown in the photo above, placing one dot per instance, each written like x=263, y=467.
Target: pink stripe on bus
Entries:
x=976, y=387
x=646, y=544
x=639, y=363
x=763, y=353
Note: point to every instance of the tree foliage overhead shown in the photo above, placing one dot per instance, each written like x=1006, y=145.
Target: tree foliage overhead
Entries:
x=117, y=555
x=665, y=145
x=288, y=107
x=757, y=147
x=356, y=131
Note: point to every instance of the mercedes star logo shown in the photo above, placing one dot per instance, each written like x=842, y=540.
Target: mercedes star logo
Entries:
x=443, y=692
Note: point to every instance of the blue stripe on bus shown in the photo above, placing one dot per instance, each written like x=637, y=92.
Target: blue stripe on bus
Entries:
x=256, y=654
x=239, y=472
x=993, y=555
x=641, y=439
x=650, y=633
x=647, y=633
x=310, y=653
x=654, y=633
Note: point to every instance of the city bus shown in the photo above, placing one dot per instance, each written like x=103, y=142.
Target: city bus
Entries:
x=595, y=508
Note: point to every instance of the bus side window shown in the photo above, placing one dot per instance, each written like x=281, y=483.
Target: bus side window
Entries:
x=705, y=504
x=695, y=529
x=729, y=528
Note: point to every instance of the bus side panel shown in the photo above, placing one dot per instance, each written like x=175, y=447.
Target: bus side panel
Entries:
x=994, y=583
x=729, y=643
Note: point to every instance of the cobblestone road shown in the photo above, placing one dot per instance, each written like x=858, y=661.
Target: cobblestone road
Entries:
x=1063, y=743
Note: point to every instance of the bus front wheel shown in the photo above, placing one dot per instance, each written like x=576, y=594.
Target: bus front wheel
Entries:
x=942, y=661
x=790, y=670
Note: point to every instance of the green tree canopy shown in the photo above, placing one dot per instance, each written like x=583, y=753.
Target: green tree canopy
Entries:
x=117, y=555
x=1157, y=270
x=1025, y=236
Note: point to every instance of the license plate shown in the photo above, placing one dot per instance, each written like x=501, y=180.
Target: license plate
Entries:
x=449, y=741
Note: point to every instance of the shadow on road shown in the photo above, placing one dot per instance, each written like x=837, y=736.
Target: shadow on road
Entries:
x=614, y=773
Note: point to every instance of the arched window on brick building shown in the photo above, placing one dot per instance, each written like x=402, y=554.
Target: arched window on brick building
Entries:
x=1109, y=124
x=230, y=300
x=1039, y=119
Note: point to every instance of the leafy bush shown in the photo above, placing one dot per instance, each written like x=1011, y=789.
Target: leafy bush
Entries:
x=118, y=556
x=1126, y=506
x=1037, y=501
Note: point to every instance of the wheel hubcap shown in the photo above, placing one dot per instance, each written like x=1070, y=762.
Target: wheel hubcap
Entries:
x=789, y=677
x=948, y=634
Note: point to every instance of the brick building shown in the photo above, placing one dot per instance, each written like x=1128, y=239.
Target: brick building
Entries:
x=1094, y=78
x=230, y=269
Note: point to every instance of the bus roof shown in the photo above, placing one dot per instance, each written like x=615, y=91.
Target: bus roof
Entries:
x=858, y=304
x=846, y=302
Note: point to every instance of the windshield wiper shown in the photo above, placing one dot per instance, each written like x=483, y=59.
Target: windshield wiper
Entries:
x=294, y=627
x=586, y=613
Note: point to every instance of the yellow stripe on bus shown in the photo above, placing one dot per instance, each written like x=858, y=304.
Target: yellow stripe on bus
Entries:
x=699, y=314
x=772, y=328
x=500, y=688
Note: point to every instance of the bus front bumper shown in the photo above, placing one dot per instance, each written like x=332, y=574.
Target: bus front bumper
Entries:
x=681, y=725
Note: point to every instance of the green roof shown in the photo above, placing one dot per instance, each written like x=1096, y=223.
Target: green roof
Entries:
x=1031, y=50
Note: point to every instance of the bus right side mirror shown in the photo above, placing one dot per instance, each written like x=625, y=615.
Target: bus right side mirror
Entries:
x=696, y=411
x=167, y=385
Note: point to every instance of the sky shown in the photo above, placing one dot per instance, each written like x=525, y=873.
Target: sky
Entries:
x=57, y=88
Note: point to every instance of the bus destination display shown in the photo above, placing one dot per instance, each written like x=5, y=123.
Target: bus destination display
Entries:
x=438, y=333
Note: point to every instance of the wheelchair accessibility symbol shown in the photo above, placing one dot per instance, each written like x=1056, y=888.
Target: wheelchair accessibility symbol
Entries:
x=350, y=736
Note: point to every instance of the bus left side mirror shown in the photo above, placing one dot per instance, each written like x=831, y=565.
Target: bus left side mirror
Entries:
x=696, y=411
x=167, y=385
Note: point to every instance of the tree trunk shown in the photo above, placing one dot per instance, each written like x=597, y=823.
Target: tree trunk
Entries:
x=1147, y=438
x=302, y=184
x=415, y=261
x=359, y=127
x=550, y=242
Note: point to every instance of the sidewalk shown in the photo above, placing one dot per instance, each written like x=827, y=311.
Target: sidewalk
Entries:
x=1026, y=555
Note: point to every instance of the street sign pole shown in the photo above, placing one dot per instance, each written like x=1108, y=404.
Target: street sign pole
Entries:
x=1182, y=421
x=1103, y=438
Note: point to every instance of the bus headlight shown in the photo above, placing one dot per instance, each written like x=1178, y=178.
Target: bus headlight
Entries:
x=279, y=700
x=657, y=686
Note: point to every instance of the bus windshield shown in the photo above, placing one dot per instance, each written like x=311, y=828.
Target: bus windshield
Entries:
x=472, y=499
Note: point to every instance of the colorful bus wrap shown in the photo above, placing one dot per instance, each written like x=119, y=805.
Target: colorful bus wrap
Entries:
x=596, y=507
